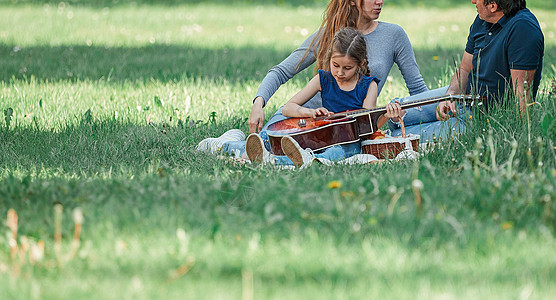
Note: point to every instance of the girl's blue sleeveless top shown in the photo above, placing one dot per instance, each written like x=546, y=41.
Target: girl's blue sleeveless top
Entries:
x=337, y=100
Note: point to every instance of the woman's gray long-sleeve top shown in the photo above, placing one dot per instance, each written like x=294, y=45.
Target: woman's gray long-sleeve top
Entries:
x=386, y=45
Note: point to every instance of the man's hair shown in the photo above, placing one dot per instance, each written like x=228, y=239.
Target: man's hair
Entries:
x=508, y=7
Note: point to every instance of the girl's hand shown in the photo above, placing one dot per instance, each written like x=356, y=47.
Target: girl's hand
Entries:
x=394, y=110
x=321, y=111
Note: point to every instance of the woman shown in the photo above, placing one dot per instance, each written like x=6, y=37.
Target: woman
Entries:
x=386, y=44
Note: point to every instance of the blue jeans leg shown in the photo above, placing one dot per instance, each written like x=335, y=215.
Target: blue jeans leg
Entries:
x=334, y=153
x=422, y=120
x=420, y=114
x=438, y=129
x=234, y=149
x=237, y=148
x=340, y=152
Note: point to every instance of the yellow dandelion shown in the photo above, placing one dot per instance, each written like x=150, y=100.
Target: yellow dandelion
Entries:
x=435, y=57
x=334, y=184
x=470, y=117
x=507, y=225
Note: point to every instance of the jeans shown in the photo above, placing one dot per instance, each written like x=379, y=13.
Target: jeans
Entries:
x=237, y=148
x=335, y=153
x=422, y=120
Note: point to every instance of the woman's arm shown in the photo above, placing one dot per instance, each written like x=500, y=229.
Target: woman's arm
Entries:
x=294, y=107
x=278, y=75
x=404, y=57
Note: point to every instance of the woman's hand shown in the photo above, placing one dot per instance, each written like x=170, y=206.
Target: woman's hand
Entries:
x=256, y=118
x=321, y=111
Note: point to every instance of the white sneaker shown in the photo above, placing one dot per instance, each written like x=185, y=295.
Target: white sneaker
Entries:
x=360, y=159
x=324, y=161
x=206, y=145
x=408, y=154
x=299, y=157
x=257, y=153
x=212, y=145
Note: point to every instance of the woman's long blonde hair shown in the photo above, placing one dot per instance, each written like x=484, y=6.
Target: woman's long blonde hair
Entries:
x=337, y=15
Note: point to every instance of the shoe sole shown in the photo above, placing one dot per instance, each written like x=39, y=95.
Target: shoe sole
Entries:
x=292, y=152
x=254, y=149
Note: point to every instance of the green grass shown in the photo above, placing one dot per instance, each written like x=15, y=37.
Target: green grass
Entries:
x=109, y=103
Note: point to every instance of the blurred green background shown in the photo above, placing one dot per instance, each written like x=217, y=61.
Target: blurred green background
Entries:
x=544, y=4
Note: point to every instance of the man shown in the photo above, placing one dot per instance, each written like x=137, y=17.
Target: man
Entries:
x=503, y=56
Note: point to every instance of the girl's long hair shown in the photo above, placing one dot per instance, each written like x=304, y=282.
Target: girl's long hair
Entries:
x=337, y=15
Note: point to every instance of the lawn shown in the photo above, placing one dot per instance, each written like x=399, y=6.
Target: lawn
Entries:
x=100, y=112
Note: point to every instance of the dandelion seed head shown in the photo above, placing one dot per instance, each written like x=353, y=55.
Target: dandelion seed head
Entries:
x=78, y=216
x=37, y=251
x=392, y=189
x=58, y=208
x=417, y=184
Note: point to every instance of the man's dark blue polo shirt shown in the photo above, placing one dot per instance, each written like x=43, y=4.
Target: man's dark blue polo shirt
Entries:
x=515, y=42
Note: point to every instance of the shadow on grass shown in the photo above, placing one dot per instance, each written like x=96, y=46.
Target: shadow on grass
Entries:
x=174, y=63
x=162, y=63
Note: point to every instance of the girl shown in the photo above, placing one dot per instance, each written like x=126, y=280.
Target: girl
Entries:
x=344, y=84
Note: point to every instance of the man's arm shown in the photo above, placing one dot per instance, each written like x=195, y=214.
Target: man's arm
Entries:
x=458, y=85
x=522, y=81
